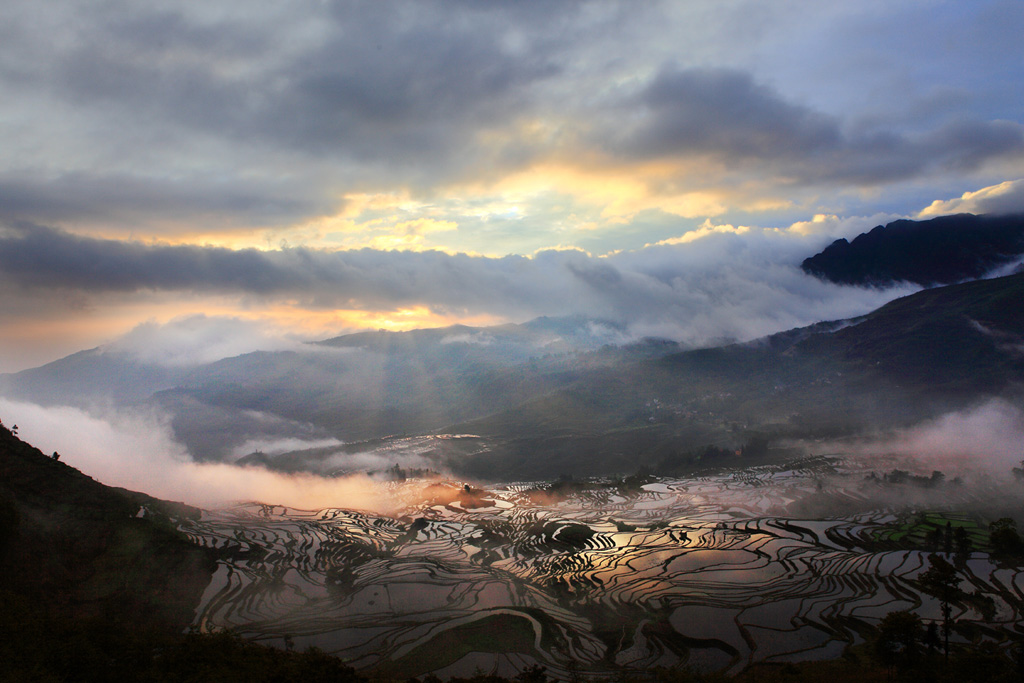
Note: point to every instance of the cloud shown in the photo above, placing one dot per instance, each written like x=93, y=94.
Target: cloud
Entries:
x=277, y=446
x=836, y=227
x=479, y=338
x=162, y=204
x=1004, y=198
x=722, y=283
x=199, y=339
x=985, y=437
x=706, y=228
x=136, y=451
x=726, y=116
x=349, y=81
x=723, y=112
x=202, y=119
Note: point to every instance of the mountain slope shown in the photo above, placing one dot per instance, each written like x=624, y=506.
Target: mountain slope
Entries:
x=95, y=375
x=965, y=338
x=942, y=250
x=356, y=387
x=604, y=410
x=916, y=358
x=82, y=551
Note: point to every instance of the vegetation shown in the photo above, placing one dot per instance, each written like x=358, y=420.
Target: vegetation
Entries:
x=1005, y=540
x=48, y=647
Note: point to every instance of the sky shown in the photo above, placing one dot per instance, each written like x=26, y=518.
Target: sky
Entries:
x=308, y=168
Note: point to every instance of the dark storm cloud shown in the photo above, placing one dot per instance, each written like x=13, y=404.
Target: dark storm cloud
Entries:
x=93, y=197
x=379, y=82
x=36, y=256
x=237, y=119
x=725, y=114
x=284, y=108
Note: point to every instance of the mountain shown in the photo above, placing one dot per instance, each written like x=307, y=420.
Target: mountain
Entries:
x=356, y=387
x=522, y=411
x=94, y=375
x=939, y=251
x=370, y=385
x=916, y=358
x=503, y=343
x=99, y=585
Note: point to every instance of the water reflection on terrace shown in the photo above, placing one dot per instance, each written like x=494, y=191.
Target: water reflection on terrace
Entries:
x=713, y=571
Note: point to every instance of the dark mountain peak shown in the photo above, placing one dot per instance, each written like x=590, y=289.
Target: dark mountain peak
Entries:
x=939, y=251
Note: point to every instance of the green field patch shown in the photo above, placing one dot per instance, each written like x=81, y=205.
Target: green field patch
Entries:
x=499, y=633
x=913, y=531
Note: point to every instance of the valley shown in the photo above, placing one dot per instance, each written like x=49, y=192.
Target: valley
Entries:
x=712, y=572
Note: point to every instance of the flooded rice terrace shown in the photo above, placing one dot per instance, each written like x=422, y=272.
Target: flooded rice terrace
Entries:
x=715, y=572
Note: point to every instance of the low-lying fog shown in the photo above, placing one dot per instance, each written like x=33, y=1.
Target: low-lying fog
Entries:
x=135, y=449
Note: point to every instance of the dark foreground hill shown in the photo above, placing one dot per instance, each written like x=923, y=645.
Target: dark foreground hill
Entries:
x=939, y=251
x=98, y=585
x=73, y=545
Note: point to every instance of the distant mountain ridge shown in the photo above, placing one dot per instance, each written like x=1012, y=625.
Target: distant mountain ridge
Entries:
x=538, y=411
x=918, y=357
x=517, y=341
x=939, y=251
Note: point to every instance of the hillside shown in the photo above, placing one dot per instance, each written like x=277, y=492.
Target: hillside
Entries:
x=80, y=551
x=914, y=359
x=962, y=339
x=939, y=251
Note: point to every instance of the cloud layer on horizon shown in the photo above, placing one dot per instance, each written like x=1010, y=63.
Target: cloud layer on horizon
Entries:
x=729, y=283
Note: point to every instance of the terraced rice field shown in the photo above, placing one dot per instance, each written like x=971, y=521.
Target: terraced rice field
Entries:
x=708, y=571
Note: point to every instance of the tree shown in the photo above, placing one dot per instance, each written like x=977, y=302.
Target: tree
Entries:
x=535, y=673
x=931, y=637
x=933, y=539
x=941, y=581
x=1003, y=537
x=898, y=636
x=962, y=542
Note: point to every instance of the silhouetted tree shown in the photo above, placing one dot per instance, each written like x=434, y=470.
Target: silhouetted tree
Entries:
x=534, y=673
x=941, y=581
x=931, y=637
x=962, y=542
x=898, y=634
x=1003, y=537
